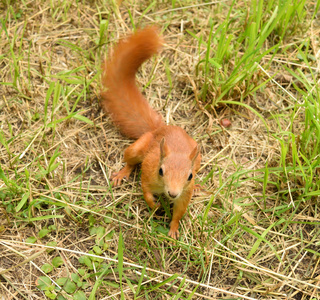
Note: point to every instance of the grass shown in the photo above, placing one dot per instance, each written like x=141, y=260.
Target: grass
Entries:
x=253, y=233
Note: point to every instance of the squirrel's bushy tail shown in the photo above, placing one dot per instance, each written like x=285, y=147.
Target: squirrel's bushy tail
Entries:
x=121, y=98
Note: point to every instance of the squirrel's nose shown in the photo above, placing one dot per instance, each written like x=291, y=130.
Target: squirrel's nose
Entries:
x=172, y=195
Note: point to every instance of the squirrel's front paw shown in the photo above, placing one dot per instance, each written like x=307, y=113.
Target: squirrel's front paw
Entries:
x=154, y=205
x=174, y=231
x=174, y=234
x=116, y=178
x=125, y=172
x=148, y=196
x=157, y=205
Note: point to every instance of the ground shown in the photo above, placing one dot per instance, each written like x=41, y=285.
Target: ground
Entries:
x=252, y=232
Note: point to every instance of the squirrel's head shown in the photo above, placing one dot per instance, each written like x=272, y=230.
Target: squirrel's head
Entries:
x=176, y=170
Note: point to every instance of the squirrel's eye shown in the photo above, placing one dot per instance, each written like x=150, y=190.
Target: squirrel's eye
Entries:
x=160, y=172
x=190, y=177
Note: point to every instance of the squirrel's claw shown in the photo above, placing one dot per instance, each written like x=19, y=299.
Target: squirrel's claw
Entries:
x=174, y=231
x=117, y=177
x=174, y=234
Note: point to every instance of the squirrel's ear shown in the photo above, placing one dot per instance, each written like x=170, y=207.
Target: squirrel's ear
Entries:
x=164, y=150
x=194, y=154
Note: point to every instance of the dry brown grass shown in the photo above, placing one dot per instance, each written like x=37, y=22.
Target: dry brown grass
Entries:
x=77, y=197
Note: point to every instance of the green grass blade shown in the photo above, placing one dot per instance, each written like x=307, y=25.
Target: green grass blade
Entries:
x=120, y=263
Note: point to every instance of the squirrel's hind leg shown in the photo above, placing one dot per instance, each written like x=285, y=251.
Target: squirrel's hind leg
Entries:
x=133, y=155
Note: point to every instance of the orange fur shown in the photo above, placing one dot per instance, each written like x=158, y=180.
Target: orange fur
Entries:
x=118, y=78
x=169, y=156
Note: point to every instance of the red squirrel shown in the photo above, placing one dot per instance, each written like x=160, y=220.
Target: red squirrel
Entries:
x=169, y=157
